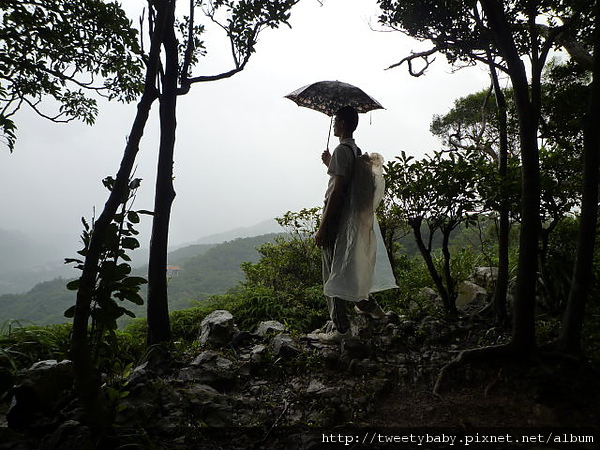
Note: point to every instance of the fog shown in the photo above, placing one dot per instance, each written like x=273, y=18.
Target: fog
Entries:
x=244, y=153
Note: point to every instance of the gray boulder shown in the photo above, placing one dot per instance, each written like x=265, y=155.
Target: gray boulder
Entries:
x=42, y=391
x=270, y=326
x=217, y=328
x=469, y=292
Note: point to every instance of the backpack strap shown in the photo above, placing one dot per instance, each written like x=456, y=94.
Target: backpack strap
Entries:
x=358, y=150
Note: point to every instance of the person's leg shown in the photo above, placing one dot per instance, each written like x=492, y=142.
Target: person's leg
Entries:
x=338, y=312
x=370, y=307
x=338, y=308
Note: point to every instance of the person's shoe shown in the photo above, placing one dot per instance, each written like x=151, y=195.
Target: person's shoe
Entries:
x=332, y=337
x=370, y=308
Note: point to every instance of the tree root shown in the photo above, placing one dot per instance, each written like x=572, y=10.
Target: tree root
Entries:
x=506, y=353
x=497, y=353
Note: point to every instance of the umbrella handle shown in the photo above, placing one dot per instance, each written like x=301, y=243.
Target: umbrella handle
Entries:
x=329, y=134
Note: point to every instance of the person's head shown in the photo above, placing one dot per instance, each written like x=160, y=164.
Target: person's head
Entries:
x=346, y=121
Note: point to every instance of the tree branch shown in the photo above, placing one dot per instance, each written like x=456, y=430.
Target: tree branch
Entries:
x=576, y=50
x=409, y=59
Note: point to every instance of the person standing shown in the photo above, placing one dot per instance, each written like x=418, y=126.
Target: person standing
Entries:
x=354, y=260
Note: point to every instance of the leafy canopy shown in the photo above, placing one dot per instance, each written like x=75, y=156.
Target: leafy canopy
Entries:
x=62, y=50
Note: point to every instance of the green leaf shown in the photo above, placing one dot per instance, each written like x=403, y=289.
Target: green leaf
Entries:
x=70, y=312
x=134, y=281
x=133, y=217
x=130, y=243
x=73, y=285
x=129, y=313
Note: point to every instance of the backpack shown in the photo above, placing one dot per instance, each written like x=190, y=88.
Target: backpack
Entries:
x=367, y=184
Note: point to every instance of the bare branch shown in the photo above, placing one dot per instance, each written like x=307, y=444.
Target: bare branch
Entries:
x=409, y=60
x=56, y=118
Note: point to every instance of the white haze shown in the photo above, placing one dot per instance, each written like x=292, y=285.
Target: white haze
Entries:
x=244, y=153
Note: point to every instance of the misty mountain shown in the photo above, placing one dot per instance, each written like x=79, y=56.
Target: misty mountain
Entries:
x=265, y=227
x=201, y=270
x=27, y=260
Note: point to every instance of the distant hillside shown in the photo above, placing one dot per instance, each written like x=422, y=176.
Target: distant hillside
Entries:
x=204, y=270
x=266, y=227
x=25, y=258
x=213, y=271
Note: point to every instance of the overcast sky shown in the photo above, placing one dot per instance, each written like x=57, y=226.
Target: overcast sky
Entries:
x=244, y=153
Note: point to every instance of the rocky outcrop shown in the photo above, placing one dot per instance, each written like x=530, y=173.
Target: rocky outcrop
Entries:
x=217, y=328
x=40, y=394
x=265, y=379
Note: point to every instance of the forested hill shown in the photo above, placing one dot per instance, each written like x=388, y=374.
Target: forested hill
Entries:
x=204, y=269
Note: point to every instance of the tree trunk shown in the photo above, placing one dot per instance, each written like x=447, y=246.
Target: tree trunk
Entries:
x=523, y=336
x=450, y=305
x=87, y=383
x=426, y=253
x=159, y=330
x=570, y=338
x=501, y=290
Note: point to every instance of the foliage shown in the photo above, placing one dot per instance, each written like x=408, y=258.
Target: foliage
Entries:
x=113, y=280
x=44, y=304
x=461, y=31
x=213, y=272
x=435, y=194
x=286, y=283
x=450, y=25
x=472, y=123
x=21, y=346
x=412, y=276
x=301, y=311
x=290, y=264
x=59, y=50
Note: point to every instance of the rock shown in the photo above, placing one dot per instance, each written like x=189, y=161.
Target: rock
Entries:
x=360, y=367
x=283, y=345
x=353, y=348
x=208, y=405
x=485, y=277
x=43, y=390
x=211, y=368
x=315, y=386
x=257, y=354
x=217, y=328
x=428, y=294
x=242, y=339
x=270, y=326
x=331, y=358
x=469, y=292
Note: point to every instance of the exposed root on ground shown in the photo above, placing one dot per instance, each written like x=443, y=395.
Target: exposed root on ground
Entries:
x=497, y=353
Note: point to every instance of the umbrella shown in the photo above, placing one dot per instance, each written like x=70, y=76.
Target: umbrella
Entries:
x=328, y=96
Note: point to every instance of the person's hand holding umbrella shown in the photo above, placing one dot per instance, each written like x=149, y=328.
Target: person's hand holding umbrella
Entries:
x=326, y=157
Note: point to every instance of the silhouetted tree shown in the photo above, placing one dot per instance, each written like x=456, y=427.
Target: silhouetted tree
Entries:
x=64, y=50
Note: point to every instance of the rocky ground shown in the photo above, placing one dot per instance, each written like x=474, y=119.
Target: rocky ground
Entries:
x=275, y=389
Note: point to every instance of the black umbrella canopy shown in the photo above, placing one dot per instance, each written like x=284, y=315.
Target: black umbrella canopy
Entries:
x=329, y=96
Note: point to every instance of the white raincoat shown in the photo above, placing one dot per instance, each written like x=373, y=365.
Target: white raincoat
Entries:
x=360, y=263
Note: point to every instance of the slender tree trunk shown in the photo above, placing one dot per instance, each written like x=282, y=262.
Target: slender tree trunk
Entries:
x=450, y=306
x=426, y=253
x=159, y=330
x=87, y=382
x=524, y=313
x=523, y=336
x=570, y=338
x=501, y=290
